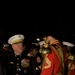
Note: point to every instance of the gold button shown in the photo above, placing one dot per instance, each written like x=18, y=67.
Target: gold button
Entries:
x=17, y=63
x=17, y=69
x=17, y=58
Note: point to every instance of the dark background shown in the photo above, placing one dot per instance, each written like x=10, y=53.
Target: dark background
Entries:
x=36, y=22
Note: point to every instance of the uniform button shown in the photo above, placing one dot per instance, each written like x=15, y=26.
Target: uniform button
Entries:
x=17, y=69
x=17, y=58
x=16, y=74
x=17, y=63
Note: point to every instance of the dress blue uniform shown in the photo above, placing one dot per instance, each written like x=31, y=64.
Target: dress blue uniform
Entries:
x=17, y=63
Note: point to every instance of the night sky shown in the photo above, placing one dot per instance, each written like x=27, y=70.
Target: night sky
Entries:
x=35, y=24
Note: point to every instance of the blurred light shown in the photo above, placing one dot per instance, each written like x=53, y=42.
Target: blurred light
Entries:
x=37, y=39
